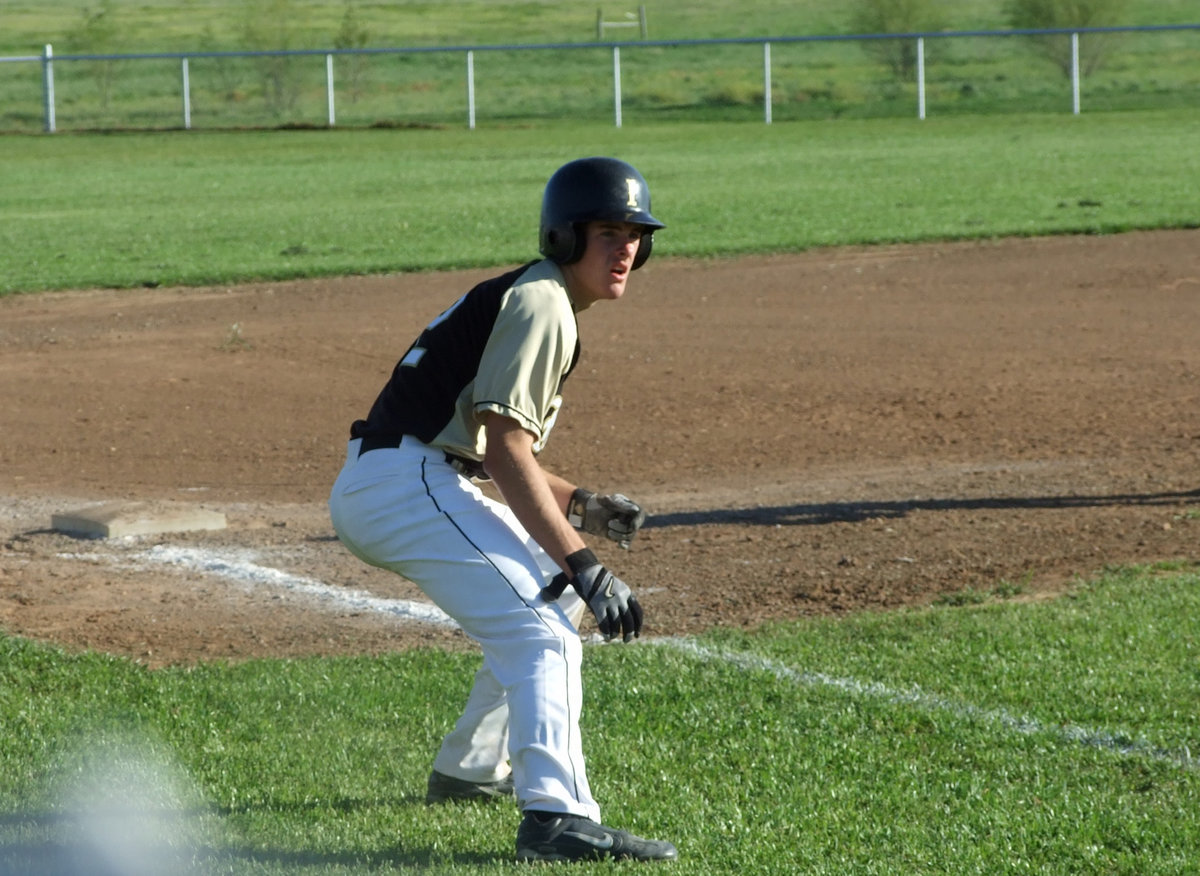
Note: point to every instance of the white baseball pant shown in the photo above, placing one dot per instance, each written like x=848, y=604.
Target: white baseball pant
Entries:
x=409, y=511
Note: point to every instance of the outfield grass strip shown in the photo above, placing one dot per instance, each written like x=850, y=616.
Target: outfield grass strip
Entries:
x=1086, y=737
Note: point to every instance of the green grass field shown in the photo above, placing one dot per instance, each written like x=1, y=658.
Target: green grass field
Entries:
x=166, y=25
x=1004, y=738
x=203, y=208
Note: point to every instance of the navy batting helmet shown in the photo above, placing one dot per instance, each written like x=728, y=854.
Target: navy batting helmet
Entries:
x=588, y=190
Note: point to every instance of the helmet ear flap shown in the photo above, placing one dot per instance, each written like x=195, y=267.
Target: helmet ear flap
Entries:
x=563, y=243
x=644, y=246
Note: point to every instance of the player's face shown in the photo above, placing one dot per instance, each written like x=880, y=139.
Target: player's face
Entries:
x=607, y=260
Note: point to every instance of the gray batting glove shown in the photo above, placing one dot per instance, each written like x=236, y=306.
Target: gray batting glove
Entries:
x=610, y=599
x=616, y=517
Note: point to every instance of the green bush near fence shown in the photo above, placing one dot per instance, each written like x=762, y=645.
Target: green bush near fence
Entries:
x=701, y=83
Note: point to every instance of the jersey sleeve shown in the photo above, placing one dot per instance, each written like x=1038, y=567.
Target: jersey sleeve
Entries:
x=529, y=353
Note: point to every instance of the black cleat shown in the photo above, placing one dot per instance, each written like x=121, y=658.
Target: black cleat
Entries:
x=443, y=788
x=547, y=836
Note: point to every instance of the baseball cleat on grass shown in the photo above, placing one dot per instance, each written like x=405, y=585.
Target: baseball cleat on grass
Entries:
x=549, y=836
x=443, y=788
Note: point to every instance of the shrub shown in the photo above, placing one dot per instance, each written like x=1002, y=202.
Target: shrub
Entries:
x=896, y=16
x=1052, y=14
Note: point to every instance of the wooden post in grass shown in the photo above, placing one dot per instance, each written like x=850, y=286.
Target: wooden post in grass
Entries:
x=640, y=22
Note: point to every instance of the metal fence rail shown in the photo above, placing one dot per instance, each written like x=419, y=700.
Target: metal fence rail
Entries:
x=48, y=61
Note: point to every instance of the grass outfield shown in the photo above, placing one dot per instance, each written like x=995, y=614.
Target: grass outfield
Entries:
x=158, y=209
x=173, y=25
x=1005, y=738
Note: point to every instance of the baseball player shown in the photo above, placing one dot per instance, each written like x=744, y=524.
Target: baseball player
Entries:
x=475, y=397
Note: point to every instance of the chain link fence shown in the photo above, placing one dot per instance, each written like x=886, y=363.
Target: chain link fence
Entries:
x=765, y=79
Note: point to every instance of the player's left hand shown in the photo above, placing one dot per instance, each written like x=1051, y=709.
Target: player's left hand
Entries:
x=615, y=516
x=610, y=599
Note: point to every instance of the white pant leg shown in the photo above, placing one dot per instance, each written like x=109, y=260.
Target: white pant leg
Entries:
x=408, y=511
x=477, y=749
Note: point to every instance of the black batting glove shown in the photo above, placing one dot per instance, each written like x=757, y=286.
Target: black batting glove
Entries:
x=610, y=599
x=616, y=517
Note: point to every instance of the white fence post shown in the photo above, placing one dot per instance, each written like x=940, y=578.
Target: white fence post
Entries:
x=617, y=82
x=1075, y=73
x=470, y=90
x=187, y=96
x=48, y=88
x=329, y=88
x=921, y=78
x=767, y=82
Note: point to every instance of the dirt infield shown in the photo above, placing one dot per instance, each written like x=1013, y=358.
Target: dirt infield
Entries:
x=830, y=432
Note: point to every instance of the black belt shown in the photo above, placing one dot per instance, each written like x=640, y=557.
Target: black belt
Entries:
x=468, y=468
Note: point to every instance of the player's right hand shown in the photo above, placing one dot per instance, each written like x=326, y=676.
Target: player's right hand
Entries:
x=616, y=517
